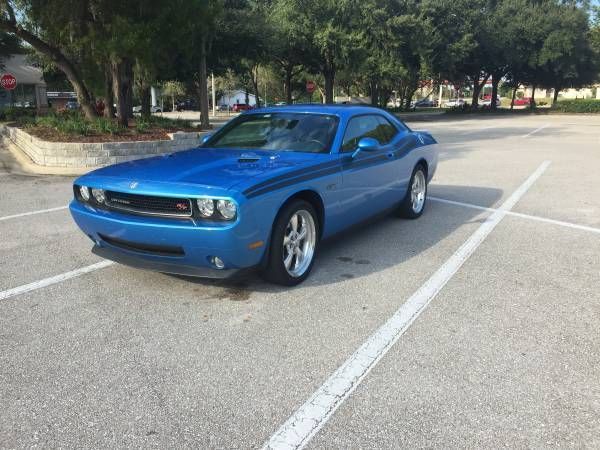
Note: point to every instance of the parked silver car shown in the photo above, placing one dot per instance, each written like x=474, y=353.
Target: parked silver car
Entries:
x=153, y=109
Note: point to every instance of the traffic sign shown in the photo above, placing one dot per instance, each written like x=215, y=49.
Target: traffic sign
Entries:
x=8, y=81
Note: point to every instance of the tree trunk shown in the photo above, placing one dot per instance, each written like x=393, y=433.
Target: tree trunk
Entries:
x=84, y=97
x=555, y=97
x=254, y=79
x=374, y=92
x=288, y=84
x=409, y=96
x=477, y=87
x=514, y=95
x=384, y=97
x=495, y=82
x=329, y=74
x=145, y=94
x=203, y=86
x=109, y=97
x=532, y=105
x=122, y=74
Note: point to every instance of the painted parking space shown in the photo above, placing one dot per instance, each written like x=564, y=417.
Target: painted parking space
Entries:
x=167, y=361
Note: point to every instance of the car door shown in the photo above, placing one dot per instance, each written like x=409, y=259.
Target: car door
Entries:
x=369, y=179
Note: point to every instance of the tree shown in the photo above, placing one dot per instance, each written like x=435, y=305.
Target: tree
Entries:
x=41, y=25
x=332, y=31
x=173, y=89
x=290, y=42
x=566, y=58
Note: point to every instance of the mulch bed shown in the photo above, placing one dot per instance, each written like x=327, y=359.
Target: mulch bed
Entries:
x=152, y=134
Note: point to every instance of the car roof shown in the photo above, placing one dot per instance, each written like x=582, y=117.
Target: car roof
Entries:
x=336, y=109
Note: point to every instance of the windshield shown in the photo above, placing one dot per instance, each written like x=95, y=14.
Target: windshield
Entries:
x=295, y=132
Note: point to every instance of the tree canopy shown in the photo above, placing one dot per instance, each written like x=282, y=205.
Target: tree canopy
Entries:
x=117, y=50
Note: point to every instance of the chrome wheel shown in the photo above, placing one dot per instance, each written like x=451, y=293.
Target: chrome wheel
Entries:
x=418, y=191
x=299, y=242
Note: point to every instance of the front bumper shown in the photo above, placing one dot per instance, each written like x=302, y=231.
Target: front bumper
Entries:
x=196, y=244
x=140, y=262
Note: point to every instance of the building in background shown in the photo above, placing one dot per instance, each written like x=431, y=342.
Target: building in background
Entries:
x=57, y=100
x=30, y=91
x=570, y=93
x=230, y=98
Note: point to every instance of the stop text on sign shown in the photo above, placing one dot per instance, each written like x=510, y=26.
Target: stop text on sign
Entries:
x=8, y=81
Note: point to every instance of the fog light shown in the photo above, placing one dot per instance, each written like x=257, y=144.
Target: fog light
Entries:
x=217, y=262
x=98, y=195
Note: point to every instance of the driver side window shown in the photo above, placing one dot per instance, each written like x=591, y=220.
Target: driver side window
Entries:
x=360, y=127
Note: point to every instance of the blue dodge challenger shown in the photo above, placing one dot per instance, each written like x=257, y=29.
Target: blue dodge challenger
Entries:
x=263, y=191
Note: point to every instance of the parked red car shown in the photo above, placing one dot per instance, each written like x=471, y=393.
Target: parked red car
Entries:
x=240, y=107
x=525, y=101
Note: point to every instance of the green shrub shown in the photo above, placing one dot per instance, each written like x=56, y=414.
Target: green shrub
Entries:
x=67, y=123
x=75, y=123
x=141, y=125
x=164, y=122
x=578, y=106
x=11, y=114
x=107, y=126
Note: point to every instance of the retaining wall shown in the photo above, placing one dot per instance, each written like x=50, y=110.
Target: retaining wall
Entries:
x=71, y=154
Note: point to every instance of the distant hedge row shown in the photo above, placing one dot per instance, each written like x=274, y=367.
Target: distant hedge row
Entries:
x=578, y=106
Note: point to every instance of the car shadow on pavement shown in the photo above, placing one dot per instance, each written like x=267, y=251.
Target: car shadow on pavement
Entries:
x=379, y=244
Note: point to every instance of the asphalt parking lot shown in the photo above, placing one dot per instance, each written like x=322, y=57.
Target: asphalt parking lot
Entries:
x=490, y=302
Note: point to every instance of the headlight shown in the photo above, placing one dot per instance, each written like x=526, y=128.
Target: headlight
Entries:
x=99, y=195
x=227, y=209
x=84, y=191
x=206, y=206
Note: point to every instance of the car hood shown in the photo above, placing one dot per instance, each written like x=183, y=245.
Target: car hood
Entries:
x=204, y=167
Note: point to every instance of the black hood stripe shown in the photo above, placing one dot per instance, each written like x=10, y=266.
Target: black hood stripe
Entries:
x=291, y=174
x=285, y=183
x=317, y=174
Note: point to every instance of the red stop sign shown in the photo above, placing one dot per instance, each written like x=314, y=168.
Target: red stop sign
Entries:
x=310, y=87
x=8, y=81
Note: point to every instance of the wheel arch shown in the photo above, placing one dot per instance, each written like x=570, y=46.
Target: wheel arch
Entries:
x=309, y=195
x=312, y=197
x=423, y=162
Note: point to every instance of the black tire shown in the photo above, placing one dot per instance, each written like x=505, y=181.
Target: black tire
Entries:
x=274, y=270
x=406, y=208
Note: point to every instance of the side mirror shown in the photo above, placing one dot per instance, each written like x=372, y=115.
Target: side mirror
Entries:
x=206, y=137
x=366, y=144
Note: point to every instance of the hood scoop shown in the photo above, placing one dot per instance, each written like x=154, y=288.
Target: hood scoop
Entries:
x=249, y=158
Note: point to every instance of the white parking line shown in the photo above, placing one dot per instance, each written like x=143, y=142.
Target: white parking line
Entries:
x=535, y=131
x=521, y=215
x=297, y=431
x=31, y=213
x=53, y=280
